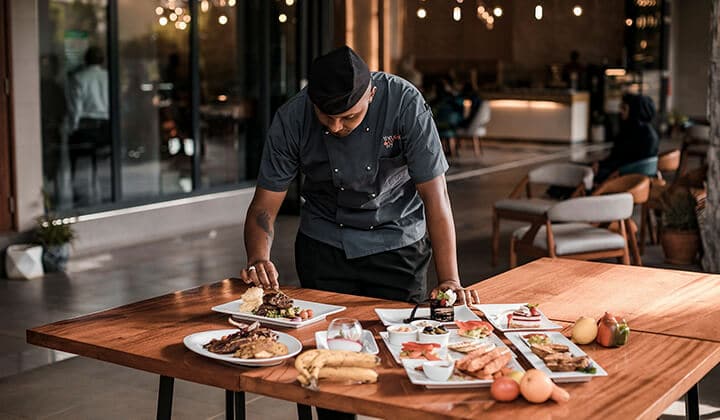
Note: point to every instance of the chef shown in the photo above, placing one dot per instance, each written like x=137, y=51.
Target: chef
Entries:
x=376, y=206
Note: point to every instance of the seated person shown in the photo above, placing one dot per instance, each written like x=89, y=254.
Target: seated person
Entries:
x=637, y=139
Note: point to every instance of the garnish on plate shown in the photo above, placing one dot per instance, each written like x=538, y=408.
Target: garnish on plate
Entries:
x=414, y=350
x=474, y=329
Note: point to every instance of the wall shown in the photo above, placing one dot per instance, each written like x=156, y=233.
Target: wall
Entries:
x=517, y=39
x=26, y=112
x=690, y=57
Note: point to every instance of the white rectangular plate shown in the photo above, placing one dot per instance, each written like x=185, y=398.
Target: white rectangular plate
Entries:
x=455, y=381
x=496, y=314
x=441, y=352
x=320, y=311
x=369, y=343
x=396, y=316
x=556, y=337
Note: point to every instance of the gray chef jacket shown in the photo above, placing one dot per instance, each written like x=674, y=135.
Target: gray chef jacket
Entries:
x=359, y=190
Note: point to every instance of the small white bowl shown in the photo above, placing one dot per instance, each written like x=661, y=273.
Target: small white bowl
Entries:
x=439, y=370
x=344, y=344
x=422, y=323
x=401, y=333
x=441, y=339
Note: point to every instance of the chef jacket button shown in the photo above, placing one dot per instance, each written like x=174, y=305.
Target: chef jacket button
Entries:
x=367, y=128
x=372, y=227
x=373, y=195
x=327, y=132
x=341, y=225
x=336, y=170
x=368, y=167
x=342, y=188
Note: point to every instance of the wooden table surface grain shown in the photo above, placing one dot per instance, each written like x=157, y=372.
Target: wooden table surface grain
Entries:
x=679, y=303
x=645, y=376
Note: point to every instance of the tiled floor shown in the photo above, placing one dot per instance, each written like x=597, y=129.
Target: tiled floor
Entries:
x=39, y=383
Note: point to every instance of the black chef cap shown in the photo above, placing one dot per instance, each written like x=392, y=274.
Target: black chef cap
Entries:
x=338, y=80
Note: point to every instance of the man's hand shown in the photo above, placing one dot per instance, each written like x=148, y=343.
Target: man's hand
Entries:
x=262, y=274
x=464, y=296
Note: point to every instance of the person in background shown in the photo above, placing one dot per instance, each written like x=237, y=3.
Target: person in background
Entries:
x=407, y=71
x=376, y=203
x=573, y=72
x=637, y=138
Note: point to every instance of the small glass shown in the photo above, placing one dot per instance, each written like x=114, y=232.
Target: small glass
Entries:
x=345, y=334
x=441, y=313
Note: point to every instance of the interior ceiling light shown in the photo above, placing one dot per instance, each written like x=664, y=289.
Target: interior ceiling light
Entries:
x=173, y=17
x=422, y=13
x=538, y=12
x=577, y=10
x=204, y=5
x=163, y=21
x=289, y=2
x=628, y=22
x=282, y=18
x=457, y=14
x=159, y=11
x=480, y=10
x=231, y=3
x=222, y=19
x=497, y=11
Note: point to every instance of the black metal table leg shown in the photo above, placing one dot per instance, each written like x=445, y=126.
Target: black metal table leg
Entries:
x=234, y=405
x=304, y=412
x=165, y=398
x=692, y=403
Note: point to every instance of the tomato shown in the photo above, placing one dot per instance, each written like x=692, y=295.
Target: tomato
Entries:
x=504, y=389
x=309, y=313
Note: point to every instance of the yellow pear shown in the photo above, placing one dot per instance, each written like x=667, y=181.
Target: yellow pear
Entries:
x=585, y=330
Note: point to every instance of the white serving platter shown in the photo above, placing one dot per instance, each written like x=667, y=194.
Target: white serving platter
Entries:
x=455, y=381
x=396, y=316
x=369, y=343
x=497, y=313
x=442, y=352
x=320, y=311
x=195, y=343
x=521, y=344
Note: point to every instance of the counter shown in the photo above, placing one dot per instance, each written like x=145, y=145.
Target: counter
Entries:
x=530, y=114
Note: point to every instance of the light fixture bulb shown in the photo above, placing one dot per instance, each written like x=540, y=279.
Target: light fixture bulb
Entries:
x=497, y=12
x=231, y=3
x=628, y=22
x=173, y=17
x=289, y=2
x=282, y=18
x=422, y=13
x=163, y=21
x=457, y=14
x=222, y=19
x=577, y=10
x=159, y=11
x=178, y=11
x=204, y=5
x=538, y=12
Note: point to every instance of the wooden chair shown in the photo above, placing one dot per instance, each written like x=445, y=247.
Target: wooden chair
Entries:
x=695, y=144
x=477, y=128
x=533, y=209
x=570, y=230
x=639, y=186
x=668, y=162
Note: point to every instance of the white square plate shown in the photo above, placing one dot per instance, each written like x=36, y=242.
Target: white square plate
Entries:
x=556, y=337
x=442, y=352
x=455, y=381
x=369, y=343
x=320, y=311
x=396, y=316
x=497, y=313
x=195, y=343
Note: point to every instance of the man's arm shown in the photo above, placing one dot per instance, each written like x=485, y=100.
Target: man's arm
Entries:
x=442, y=237
x=259, y=234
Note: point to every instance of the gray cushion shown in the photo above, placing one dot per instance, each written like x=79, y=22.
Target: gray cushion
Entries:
x=574, y=238
x=562, y=174
x=531, y=205
x=599, y=208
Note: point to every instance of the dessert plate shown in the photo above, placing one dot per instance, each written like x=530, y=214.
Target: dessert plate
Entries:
x=496, y=314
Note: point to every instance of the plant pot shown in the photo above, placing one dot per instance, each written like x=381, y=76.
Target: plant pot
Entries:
x=597, y=133
x=55, y=258
x=23, y=261
x=680, y=246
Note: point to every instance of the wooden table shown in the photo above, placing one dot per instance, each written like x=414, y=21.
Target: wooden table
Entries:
x=645, y=376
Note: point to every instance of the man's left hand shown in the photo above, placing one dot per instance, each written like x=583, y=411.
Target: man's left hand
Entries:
x=464, y=296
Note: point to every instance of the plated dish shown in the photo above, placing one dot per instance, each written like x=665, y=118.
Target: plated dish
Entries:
x=397, y=316
x=413, y=368
x=318, y=313
x=557, y=356
x=198, y=343
x=456, y=348
x=369, y=343
x=516, y=317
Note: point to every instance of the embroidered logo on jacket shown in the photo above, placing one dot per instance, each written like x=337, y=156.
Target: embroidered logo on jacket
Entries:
x=388, y=141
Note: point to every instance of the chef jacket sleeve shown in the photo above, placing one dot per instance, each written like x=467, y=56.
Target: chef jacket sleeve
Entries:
x=281, y=157
x=423, y=151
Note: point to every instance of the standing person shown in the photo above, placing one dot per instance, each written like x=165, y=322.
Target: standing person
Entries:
x=374, y=187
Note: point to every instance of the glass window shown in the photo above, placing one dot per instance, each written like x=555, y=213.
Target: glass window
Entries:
x=74, y=103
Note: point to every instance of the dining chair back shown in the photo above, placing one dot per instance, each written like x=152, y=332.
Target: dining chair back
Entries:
x=695, y=144
x=647, y=166
x=477, y=127
x=668, y=161
x=570, y=230
x=562, y=174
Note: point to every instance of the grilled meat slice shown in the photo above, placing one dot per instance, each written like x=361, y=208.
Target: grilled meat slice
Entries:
x=232, y=342
x=277, y=299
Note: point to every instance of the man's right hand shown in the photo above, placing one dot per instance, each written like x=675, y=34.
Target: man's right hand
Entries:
x=262, y=274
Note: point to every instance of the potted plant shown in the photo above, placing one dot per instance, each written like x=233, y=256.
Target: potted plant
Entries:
x=55, y=235
x=680, y=237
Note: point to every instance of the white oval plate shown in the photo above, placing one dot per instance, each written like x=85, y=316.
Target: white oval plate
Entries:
x=195, y=343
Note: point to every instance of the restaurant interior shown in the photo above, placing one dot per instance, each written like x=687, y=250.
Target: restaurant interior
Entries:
x=149, y=191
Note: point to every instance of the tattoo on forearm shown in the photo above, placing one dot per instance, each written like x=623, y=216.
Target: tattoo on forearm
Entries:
x=263, y=220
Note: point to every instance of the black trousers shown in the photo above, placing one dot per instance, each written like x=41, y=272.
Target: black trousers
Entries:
x=400, y=274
